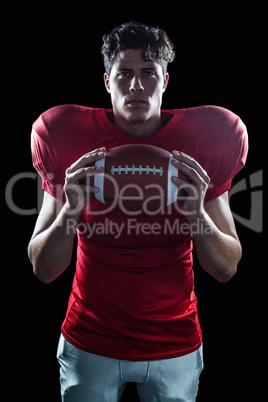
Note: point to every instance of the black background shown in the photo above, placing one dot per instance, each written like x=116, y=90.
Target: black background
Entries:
x=51, y=56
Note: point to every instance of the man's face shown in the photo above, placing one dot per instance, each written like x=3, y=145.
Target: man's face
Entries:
x=136, y=87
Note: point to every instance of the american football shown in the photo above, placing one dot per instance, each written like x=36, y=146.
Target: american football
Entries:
x=137, y=177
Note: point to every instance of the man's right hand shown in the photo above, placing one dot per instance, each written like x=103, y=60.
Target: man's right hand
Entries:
x=51, y=245
x=77, y=188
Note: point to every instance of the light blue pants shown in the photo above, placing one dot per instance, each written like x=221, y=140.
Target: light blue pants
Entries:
x=85, y=377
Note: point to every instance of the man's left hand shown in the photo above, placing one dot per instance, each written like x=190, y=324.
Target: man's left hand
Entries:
x=192, y=204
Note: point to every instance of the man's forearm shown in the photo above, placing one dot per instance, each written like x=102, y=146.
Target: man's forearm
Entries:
x=51, y=250
x=218, y=252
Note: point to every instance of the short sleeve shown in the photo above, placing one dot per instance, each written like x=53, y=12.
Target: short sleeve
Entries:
x=232, y=160
x=46, y=161
x=216, y=191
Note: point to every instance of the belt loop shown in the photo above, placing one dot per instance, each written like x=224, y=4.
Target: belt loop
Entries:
x=148, y=372
x=121, y=371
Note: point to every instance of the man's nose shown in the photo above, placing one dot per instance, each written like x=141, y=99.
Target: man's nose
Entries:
x=136, y=84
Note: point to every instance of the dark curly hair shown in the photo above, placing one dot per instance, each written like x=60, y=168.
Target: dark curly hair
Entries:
x=153, y=41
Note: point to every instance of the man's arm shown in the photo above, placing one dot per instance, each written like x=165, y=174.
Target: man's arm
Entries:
x=50, y=248
x=217, y=244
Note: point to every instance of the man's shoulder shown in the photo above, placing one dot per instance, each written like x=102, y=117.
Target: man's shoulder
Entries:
x=63, y=113
x=215, y=122
x=67, y=121
x=213, y=114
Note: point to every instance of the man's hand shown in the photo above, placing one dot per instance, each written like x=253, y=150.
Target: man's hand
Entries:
x=77, y=188
x=50, y=248
x=218, y=247
x=192, y=204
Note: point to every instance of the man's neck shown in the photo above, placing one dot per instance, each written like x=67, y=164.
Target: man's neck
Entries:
x=142, y=129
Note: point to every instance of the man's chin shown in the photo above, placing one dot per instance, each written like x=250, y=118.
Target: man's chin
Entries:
x=138, y=117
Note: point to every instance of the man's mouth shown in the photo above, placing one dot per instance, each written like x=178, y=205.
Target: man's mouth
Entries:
x=136, y=102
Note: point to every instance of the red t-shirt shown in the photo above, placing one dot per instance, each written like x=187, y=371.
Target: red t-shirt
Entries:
x=133, y=291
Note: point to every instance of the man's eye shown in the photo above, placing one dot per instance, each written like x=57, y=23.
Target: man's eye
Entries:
x=150, y=73
x=124, y=74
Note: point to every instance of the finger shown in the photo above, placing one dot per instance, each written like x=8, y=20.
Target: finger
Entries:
x=182, y=161
x=187, y=159
x=184, y=187
x=194, y=178
x=89, y=189
x=83, y=174
x=82, y=186
x=90, y=173
x=87, y=159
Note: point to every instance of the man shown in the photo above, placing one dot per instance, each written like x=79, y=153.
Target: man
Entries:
x=132, y=312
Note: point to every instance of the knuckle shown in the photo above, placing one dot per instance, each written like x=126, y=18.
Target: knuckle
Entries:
x=79, y=171
x=206, y=177
x=68, y=171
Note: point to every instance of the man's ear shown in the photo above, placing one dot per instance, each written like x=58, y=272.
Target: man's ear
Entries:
x=166, y=78
x=107, y=82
